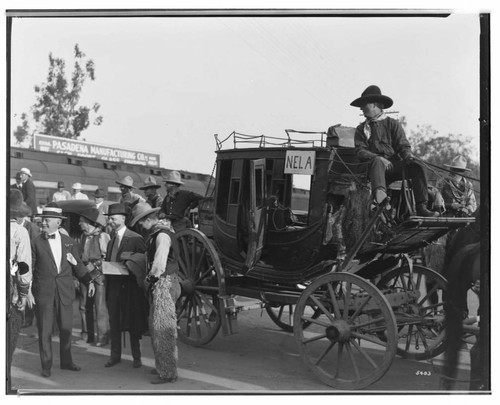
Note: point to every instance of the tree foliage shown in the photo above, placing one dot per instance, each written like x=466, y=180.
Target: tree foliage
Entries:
x=427, y=144
x=57, y=111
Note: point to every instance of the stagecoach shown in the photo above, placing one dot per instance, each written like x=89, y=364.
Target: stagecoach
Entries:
x=343, y=275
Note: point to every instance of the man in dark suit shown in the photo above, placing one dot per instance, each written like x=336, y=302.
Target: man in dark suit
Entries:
x=55, y=258
x=28, y=189
x=127, y=305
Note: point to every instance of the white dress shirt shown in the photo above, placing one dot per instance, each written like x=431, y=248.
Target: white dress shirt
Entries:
x=56, y=247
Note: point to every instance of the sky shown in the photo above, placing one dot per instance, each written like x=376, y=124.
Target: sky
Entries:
x=167, y=85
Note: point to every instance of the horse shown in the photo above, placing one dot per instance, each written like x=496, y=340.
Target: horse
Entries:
x=461, y=269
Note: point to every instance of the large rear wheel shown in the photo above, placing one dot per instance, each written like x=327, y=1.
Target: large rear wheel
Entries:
x=202, y=281
x=343, y=345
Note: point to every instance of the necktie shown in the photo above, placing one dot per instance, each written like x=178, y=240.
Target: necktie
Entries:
x=53, y=236
x=374, y=138
x=114, y=249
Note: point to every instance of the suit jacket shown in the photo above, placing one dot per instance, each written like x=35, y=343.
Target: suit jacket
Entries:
x=125, y=291
x=29, y=195
x=103, y=208
x=33, y=229
x=131, y=242
x=47, y=283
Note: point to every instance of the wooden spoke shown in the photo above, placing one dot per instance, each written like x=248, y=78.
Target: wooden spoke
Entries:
x=351, y=308
x=423, y=318
x=199, y=266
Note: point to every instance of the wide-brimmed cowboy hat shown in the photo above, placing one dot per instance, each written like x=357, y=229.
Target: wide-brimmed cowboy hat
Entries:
x=372, y=94
x=52, y=211
x=115, y=209
x=99, y=193
x=25, y=171
x=127, y=181
x=18, y=208
x=458, y=164
x=141, y=210
x=77, y=186
x=150, y=182
x=173, y=177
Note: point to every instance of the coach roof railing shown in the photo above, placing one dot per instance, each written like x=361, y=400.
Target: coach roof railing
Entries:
x=262, y=141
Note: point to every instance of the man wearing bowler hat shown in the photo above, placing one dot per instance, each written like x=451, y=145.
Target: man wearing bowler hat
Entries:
x=381, y=141
x=150, y=189
x=61, y=194
x=177, y=203
x=126, y=302
x=457, y=191
x=55, y=259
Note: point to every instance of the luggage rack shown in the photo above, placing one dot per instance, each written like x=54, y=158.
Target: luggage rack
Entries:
x=242, y=140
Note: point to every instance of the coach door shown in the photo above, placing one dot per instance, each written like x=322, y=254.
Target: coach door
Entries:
x=257, y=212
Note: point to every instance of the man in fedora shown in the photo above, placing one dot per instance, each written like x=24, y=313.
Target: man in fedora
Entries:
x=150, y=188
x=163, y=289
x=125, y=299
x=177, y=203
x=27, y=188
x=94, y=244
x=19, y=182
x=56, y=259
x=61, y=194
x=20, y=272
x=128, y=197
x=77, y=193
x=99, y=196
x=457, y=191
x=381, y=141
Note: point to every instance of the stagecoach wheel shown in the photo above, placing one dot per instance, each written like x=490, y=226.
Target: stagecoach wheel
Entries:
x=282, y=315
x=420, y=319
x=202, y=280
x=342, y=346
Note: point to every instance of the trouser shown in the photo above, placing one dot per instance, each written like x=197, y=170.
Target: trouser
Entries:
x=116, y=343
x=379, y=176
x=29, y=316
x=101, y=310
x=181, y=223
x=63, y=314
x=163, y=325
x=115, y=330
x=86, y=308
x=14, y=324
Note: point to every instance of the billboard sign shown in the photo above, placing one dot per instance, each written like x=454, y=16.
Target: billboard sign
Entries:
x=71, y=147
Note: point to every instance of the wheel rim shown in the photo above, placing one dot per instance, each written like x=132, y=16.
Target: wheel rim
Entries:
x=420, y=322
x=283, y=314
x=202, y=282
x=342, y=345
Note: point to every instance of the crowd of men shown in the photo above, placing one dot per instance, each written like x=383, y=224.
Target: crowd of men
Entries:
x=122, y=268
